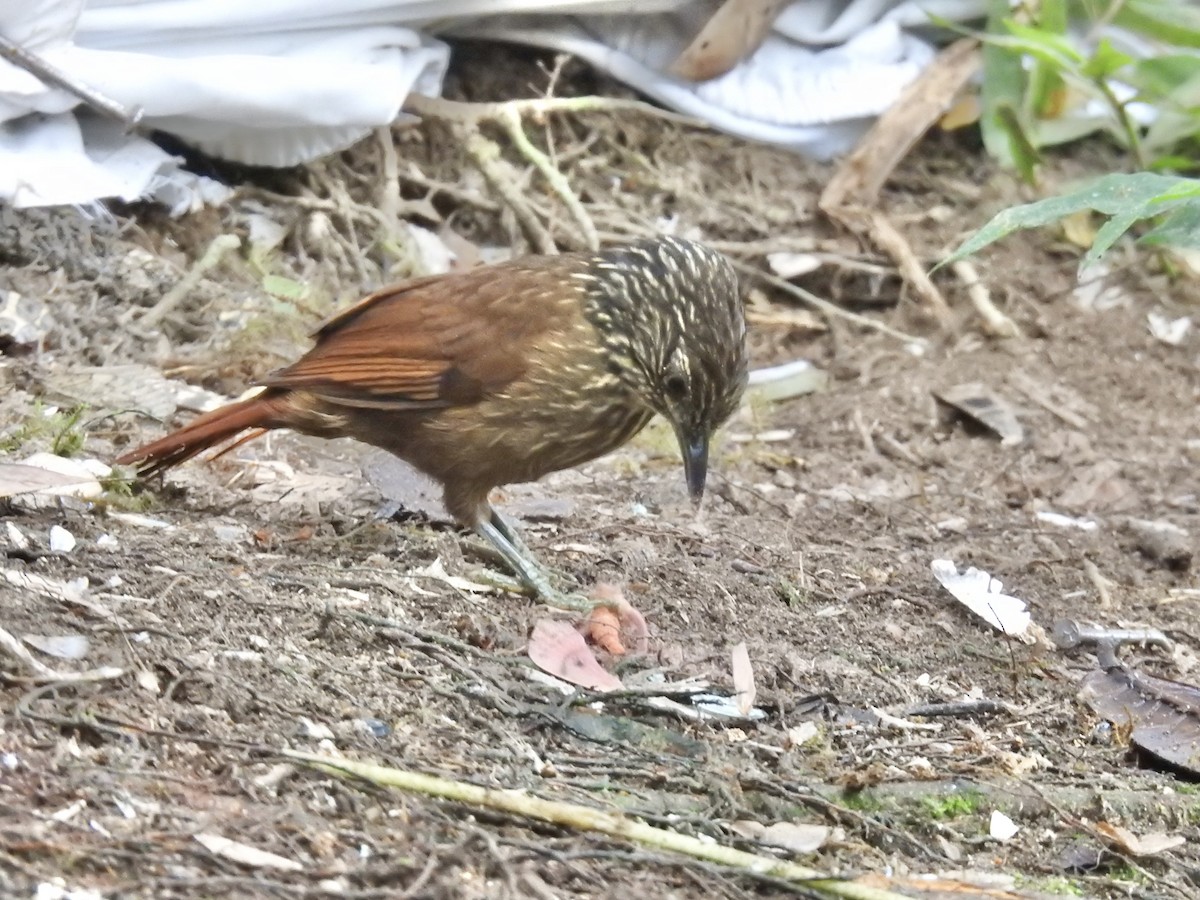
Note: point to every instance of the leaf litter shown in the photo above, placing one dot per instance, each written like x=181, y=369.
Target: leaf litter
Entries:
x=838, y=511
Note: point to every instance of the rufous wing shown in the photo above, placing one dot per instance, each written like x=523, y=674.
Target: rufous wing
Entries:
x=429, y=342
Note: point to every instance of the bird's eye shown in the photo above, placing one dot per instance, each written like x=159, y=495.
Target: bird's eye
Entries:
x=676, y=387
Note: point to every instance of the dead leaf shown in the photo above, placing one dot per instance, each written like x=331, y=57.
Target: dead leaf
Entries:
x=556, y=647
x=246, y=855
x=74, y=591
x=466, y=253
x=733, y=33
x=435, y=571
x=796, y=837
x=137, y=520
x=965, y=111
x=1079, y=228
x=785, y=381
x=743, y=678
x=62, y=646
x=1169, y=331
x=1147, y=845
x=21, y=479
x=1097, y=487
x=789, y=264
x=603, y=628
x=632, y=628
x=133, y=386
x=1163, y=716
x=78, y=478
x=980, y=403
x=984, y=596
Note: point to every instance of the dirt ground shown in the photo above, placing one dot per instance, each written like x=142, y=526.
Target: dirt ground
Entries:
x=279, y=610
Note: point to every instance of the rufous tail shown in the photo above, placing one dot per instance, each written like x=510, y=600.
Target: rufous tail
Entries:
x=263, y=412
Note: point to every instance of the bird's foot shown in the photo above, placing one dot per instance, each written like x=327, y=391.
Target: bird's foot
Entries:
x=540, y=589
x=609, y=616
x=535, y=579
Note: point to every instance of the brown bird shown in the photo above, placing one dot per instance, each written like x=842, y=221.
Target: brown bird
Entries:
x=506, y=373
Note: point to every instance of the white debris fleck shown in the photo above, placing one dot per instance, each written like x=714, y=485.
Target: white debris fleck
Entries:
x=1061, y=521
x=1002, y=828
x=1169, y=331
x=61, y=540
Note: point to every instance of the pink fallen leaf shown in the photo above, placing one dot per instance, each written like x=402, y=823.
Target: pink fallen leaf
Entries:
x=556, y=647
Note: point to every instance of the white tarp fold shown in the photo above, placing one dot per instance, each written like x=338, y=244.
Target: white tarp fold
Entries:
x=279, y=82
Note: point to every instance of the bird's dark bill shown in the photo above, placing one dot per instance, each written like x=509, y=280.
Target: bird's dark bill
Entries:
x=695, y=464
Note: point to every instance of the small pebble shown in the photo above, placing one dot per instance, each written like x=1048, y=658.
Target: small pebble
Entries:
x=1162, y=542
x=376, y=727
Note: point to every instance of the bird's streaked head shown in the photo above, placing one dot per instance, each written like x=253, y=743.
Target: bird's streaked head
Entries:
x=674, y=328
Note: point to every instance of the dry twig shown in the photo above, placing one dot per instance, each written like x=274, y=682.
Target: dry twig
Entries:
x=826, y=308
x=852, y=195
x=467, y=118
x=994, y=321
x=575, y=816
x=212, y=257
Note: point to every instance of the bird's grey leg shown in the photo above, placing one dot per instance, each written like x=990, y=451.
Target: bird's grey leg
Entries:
x=506, y=530
x=500, y=534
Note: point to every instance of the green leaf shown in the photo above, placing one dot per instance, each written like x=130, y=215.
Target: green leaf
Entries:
x=1054, y=49
x=1160, y=76
x=1023, y=153
x=284, y=288
x=1169, y=130
x=1176, y=164
x=1179, y=228
x=1126, y=198
x=1003, y=87
x=1170, y=21
x=1052, y=132
x=1106, y=61
x=1045, y=79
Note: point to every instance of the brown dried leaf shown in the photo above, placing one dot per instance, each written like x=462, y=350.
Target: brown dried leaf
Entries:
x=1163, y=716
x=734, y=32
x=1147, y=845
x=743, y=678
x=979, y=402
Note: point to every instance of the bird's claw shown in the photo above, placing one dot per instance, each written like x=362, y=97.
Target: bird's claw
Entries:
x=539, y=589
